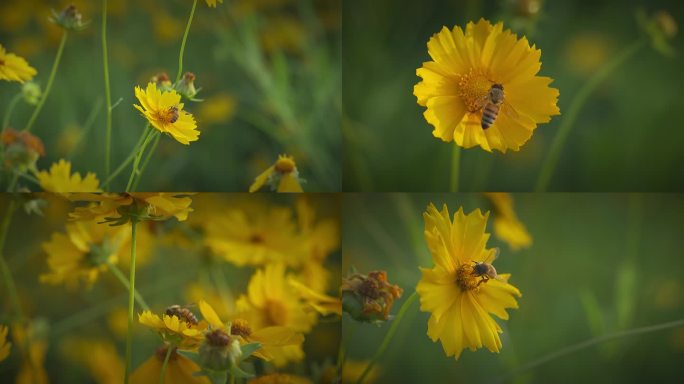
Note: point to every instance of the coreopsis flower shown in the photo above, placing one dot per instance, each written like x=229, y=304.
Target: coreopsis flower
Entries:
x=271, y=339
x=176, y=325
x=282, y=176
x=4, y=344
x=22, y=149
x=369, y=298
x=82, y=253
x=14, y=68
x=212, y=3
x=164, y=111
x=119, y=209
x=60, y=179
x=280, y=378
x=458, y=294
x=255, y=234
x=180, y=369
x=465, y=67
x=507, y=226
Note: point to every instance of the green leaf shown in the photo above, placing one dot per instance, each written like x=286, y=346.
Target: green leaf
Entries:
x=248, y=349
x=625, y=294
x=193, y=356
x=239, y=373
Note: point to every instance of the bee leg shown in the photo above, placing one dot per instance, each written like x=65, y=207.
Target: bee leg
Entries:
x=483, y=280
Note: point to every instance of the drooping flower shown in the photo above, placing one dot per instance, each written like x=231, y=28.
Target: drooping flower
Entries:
x=180, y=328
x=14, y=68
x=119, y=209
x=82, y=253
x=60, y=179
x=164, y=111
x=282, y=176
x=456, y=84
x=4, y=344
x=180, y=370
x=507, y=226
x=461, y=300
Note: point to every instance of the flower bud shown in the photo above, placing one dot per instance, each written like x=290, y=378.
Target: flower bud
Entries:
x=31, y=92
x=369, y=298
x=162, y=81
x=219, y=351
x=186, y=86
x=70, y=19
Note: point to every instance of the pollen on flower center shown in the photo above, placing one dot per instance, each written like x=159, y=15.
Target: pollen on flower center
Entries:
x=465, y=279
x=240, y=328
x=473, y=87
x=167, y=116
x=275, y=313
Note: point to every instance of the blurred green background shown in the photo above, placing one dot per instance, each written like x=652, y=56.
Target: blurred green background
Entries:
x=628, y=136
x=269, y=70
x=612, y=262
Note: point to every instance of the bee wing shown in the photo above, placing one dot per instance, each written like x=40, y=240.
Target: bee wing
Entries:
x=492, y=256
x=508, y=110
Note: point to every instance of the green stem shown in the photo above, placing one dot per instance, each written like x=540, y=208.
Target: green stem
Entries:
x=108, y=93
x=130, y=157
x=122, y=278
x=53, y=72
x=147, y=160
x=4, y=268
x=162, y=374
x=578, y=101
x=455, y=167
x=136, y=162
x=388, y=336
x=27, y=177
x=589, y=343
x=185, y=37
x=131, y=300
x=10, y=110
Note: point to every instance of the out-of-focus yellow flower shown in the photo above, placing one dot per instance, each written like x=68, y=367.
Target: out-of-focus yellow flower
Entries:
x=458, y=83
x=212, y=3
x=195, y=292
x=283, y=33
x=99, y=356
x=219, y=108
x=255, y=234
x=4, y=344
x=280, y=378
x=322, y=237
x=323, y=304
x=271, y=338
x=178, y=371
x=165, y=26
x=120, y=208
x=15, y=68
x=80, y=255
x=118, y=322
x=587, y=51
x=60, y=179
x=164, y=111
x=458, y=296
x=507, y=226
x=68, y=138
x=183, y=331
x=282, y=176
x=33, y=371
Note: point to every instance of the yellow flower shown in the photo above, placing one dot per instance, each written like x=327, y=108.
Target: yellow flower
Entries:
x=164, y=111
x=80, y=255
x=33, y=371
x=460, y=301
x=272, y=338
x=212, y=3
x=178, y=371
x=60, y=179
x=184, y=331
x=255, y=234
x=456, y=83
x=281, y=176
x=322, y=303
x=217, y=109
x=4, y=344
x=280, y=378
x=118, y=208
x=507, y=226
x=99, y=357
x=14, y=68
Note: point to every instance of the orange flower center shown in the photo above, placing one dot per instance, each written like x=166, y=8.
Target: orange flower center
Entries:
x=240, y=327
x=473, y=88
x=284, y=165
x=275, y=313
x=466, y=279
x=167, y=116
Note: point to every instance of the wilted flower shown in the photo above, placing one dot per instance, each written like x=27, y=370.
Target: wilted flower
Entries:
x=70, y=19
x=369, y=298
x=281, y=176
x=22, y=149
x=14, y=68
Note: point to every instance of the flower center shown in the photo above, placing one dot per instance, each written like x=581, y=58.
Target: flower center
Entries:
x=218, y=338
x=240, y=327
x=2, y=62
x=167, y=116
x=466, y=279
x=256, y=238
x=275, y=313
x=473, y=87
x=284, y=165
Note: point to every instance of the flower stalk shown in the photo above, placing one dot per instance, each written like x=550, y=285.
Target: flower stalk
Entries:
x=108, y=93
x=131, y=301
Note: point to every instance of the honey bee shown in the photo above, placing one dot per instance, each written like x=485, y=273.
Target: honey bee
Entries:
x=182, y=313
x=485, y=269
x=491, y=105
x=173, y=111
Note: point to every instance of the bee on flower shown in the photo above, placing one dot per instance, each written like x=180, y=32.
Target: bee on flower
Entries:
x=164, y=111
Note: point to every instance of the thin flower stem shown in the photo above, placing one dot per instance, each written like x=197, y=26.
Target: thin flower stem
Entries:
x=27, y=177
x=53, y=72
x=4, y=268
x=388, y=336
x=136, y=162
x=342, y=353
x=108, y=93
x=589, y=343
x=147, y=160
x=185, y=37
x=122, y=278
x=130, y=157
x=131, y=300
x=162, y=374
x=10, y=109
x=455, y=167
x=578, y=101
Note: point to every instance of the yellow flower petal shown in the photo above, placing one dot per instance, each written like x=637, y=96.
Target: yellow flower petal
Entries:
x=210, y=315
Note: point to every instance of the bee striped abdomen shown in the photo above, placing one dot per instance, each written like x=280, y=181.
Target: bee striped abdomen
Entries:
x=489, y=114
